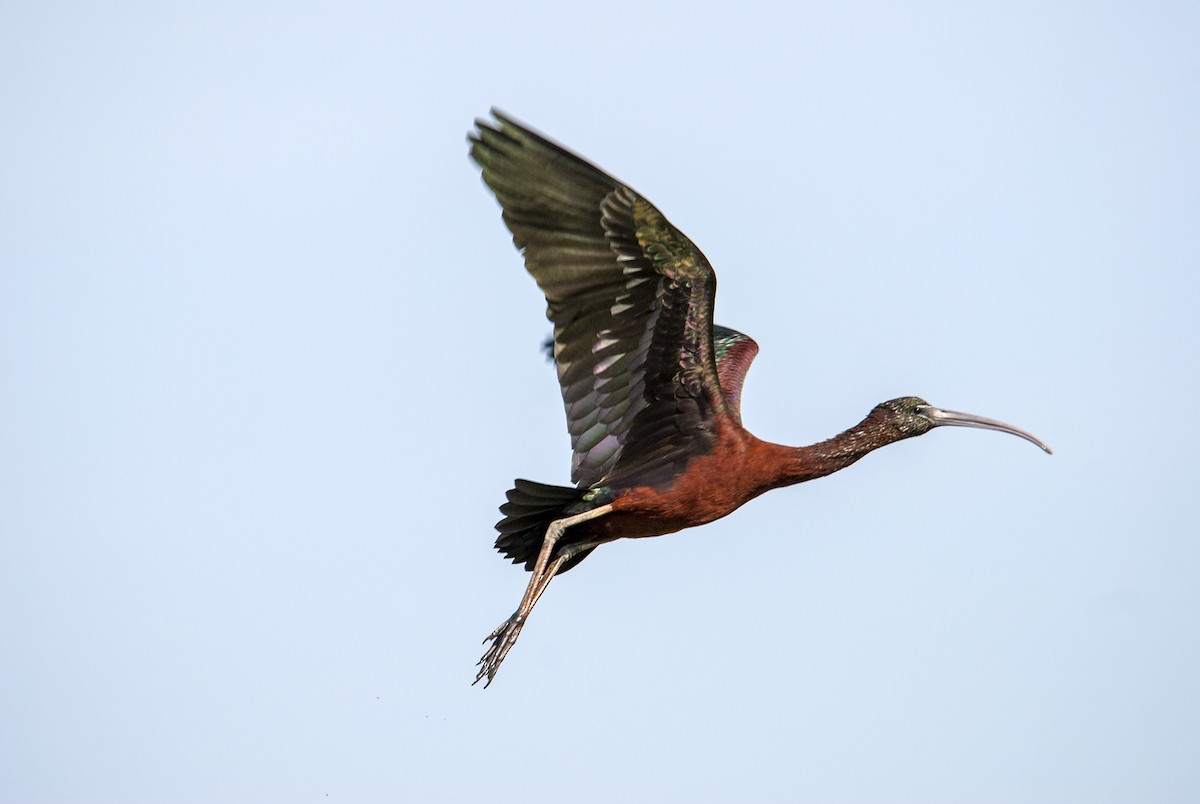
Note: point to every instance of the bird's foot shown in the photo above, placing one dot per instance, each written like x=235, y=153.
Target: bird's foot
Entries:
x=502, y=639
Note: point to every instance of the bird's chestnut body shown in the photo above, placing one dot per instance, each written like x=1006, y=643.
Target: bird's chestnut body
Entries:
x=651, y=386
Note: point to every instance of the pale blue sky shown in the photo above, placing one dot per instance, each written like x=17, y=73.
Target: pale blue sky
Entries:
x=268, y=362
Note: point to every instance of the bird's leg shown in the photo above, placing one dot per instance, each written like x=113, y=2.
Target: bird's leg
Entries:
x=566, y=555
x=504, y=637
x=563, y=557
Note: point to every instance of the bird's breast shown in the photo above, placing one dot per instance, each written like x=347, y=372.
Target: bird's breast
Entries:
x=712, y=485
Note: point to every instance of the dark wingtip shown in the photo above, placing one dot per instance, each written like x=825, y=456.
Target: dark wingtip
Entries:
x=482, y=124
x=496, y=123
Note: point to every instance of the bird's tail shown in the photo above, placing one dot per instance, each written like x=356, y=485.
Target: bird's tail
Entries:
x=530, y=509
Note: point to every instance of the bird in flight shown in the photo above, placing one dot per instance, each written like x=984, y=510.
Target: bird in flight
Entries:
x=652, y=388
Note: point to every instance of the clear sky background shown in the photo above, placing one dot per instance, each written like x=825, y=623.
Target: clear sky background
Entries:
x=268, y=362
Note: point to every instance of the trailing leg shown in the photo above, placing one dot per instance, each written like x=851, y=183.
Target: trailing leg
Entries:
x=504, y=637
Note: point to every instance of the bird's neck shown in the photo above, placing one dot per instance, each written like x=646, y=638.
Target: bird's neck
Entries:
x=799, y=464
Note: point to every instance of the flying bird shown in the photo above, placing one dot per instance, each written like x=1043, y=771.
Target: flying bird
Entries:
x=652, y=388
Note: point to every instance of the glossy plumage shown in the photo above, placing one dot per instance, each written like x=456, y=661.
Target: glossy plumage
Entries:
x=651, y=387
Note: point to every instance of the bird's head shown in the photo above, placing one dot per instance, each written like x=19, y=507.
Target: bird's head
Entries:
x=912, y=416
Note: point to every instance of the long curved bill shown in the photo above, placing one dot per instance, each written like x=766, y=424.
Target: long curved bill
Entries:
x=953, y=418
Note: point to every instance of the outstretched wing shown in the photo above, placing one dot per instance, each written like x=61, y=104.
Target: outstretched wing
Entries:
x=631, y=301
x=734, y=352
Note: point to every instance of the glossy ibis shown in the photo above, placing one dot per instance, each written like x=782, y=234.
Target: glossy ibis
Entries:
x=651, y=386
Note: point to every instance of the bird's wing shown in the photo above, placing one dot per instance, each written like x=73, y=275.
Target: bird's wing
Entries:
x=631, y=301
x=734, y=352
